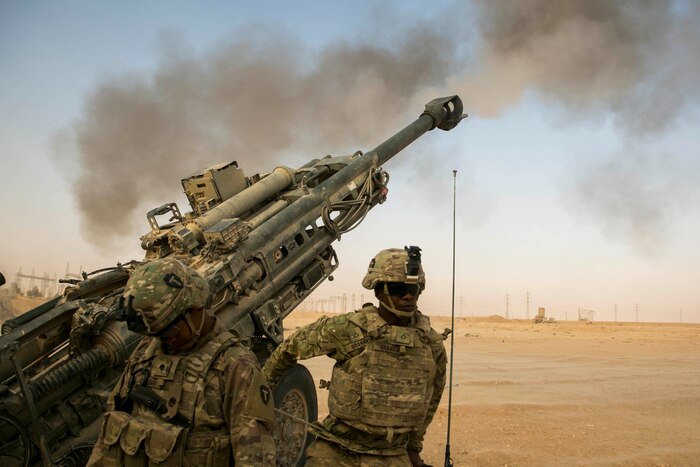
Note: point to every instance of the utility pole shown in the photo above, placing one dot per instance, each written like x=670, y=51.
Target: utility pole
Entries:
x=341, y=302
x=527, y=305
x=462, y=300
x=353, y=302
x=507, y=306
x=616, y=312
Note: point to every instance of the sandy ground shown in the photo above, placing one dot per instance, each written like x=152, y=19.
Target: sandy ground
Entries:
x=558, y=394
x=564, y=393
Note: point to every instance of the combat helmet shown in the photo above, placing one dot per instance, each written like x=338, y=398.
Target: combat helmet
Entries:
x=159, y=292
x=395, y=265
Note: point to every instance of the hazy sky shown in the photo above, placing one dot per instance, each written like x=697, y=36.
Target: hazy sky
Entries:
x=578, y=168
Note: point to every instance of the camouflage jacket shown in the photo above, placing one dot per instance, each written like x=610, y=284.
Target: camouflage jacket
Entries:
x=340, y=338
x=235, y=404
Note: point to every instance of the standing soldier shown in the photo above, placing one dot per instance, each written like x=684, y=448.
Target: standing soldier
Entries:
x=389, y=373
x=192, y=394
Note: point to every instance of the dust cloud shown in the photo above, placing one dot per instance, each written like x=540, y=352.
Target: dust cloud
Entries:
x=263, y=99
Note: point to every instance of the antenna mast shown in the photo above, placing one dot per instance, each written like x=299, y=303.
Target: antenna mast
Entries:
x=448, y=458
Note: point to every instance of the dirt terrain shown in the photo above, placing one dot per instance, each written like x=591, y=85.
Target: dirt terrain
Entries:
x=11, y=306
x=564, y=393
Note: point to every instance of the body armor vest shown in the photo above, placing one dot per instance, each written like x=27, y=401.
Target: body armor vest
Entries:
x=144, y=438
x=390, y=383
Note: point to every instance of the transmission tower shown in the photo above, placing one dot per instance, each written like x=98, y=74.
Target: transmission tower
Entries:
x=461, y=301
x=46, y=285
x=507, y=298
x=527, y=305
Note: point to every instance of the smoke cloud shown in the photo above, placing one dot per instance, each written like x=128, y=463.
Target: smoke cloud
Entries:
x=634, y=196
x=262, y=99
x=637, y=60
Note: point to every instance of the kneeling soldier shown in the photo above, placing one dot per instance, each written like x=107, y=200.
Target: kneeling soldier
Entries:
x=192, y=394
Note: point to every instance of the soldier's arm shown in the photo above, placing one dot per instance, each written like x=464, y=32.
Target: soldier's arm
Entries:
x=249, y=410
x=415, y=442
x=313, y=340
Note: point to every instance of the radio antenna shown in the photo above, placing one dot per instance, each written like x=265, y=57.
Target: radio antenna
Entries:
x=448, y=458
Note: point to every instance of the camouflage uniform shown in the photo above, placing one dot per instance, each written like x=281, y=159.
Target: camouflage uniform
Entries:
x=217, y=407
x=386, y=386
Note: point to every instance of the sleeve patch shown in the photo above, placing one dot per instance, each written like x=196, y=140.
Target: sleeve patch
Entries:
x=265, y=394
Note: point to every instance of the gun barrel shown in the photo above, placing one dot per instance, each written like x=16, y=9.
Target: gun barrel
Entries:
x=444, y=113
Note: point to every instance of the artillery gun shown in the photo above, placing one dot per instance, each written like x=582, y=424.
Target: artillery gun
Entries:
x=263, y=243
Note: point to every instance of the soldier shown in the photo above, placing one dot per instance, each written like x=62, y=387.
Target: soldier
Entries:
x=389, y=373
x=192, y=394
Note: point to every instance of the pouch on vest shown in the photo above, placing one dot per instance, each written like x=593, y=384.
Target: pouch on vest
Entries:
x=112, y=428
x=160, y=437
x=132, y=436
x=162, y=441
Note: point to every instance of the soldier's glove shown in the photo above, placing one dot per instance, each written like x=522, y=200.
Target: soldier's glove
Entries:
x=416, y=460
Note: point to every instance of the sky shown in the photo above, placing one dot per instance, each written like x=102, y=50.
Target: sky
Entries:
x=578, y=168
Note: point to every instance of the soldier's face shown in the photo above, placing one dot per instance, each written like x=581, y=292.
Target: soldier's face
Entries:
x=177, y=335
x=404, y=296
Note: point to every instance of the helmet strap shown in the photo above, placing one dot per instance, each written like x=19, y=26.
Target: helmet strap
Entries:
x=196, y=332
x=390, y=306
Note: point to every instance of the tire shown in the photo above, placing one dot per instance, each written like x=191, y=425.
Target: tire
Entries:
x=19, y=451
x=295, y=394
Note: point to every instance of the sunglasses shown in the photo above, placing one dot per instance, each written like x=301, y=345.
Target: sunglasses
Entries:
x=398, y=289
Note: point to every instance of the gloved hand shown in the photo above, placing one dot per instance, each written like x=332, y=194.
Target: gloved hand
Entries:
x=416, y=460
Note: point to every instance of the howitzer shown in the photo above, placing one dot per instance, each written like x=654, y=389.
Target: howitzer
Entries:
x=263, y=243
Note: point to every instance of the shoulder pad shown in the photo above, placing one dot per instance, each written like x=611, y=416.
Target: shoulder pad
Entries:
x=230, y=354
x=435, y=337
x=147, y=348
x=367, y=319
x=359, y=318
x=423, y=324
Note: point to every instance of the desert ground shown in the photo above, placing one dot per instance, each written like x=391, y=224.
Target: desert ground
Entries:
x=562, y=393
x=558, y=393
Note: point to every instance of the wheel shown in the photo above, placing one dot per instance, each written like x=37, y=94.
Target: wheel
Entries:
x=15, y=446
x=296, y=404
x=77, y=456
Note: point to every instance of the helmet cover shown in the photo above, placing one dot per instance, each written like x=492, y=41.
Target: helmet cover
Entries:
x=395, y=265
x=164, y=289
